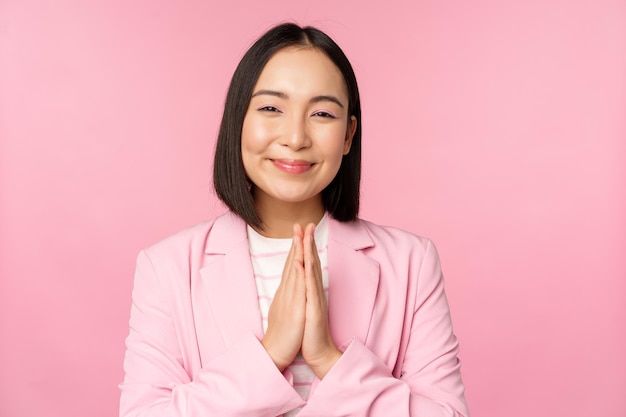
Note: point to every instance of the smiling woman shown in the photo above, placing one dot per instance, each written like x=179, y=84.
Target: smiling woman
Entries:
x=289, y=304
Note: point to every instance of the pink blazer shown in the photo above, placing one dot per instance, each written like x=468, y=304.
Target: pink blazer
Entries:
x=195, y=325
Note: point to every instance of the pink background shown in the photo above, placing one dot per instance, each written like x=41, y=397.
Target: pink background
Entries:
x=496, y=128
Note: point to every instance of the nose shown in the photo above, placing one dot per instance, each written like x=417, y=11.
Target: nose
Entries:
x=296, y=134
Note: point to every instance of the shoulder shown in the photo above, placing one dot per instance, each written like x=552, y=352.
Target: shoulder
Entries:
x=192, y=243
x=394, y=237
x=186, y=240
x=405, y=256
x=390, y=246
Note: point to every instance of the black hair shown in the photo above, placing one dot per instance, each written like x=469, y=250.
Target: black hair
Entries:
x=341, y=197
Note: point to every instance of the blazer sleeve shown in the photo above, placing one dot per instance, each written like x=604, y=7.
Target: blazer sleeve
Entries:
x=430, y=385
x=157, y=384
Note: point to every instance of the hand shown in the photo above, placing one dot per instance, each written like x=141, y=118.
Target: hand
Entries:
x=318, y=348
x=286, y=317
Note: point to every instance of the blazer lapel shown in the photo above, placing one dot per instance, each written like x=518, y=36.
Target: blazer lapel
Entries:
x=353, y=281
x=229, y=280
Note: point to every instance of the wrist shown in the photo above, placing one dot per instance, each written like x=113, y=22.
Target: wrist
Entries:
x=324, y=364
x=280, y=363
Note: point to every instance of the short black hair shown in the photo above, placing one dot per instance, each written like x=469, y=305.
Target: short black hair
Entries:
x=341, y=197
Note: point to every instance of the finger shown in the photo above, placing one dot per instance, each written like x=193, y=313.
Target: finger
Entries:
x=299, y=274
x=298, y=230
x=298, y=261
x=316, y=259
x=309, y=243
x=298, y=238
x=290, y=255
x=289, y=285
x=287, y=274
x=313, y=263
x=312, y=278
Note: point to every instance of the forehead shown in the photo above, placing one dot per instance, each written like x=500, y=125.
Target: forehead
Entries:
x=302, y=70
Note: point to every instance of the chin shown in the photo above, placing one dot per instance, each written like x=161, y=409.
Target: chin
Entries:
x=294, y=198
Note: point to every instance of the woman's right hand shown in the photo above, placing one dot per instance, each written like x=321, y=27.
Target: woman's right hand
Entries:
x=285, y=321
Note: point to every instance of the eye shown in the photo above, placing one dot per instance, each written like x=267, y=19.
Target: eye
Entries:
x=324, y=114
x=270, y=109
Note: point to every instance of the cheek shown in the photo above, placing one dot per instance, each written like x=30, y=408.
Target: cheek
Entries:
x=335, y=144
x=254, y=135
x=247, y=145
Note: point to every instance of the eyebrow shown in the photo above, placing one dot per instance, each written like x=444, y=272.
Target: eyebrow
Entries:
x=315, y=99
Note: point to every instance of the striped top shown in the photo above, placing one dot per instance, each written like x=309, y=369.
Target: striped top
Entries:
x=268, y=257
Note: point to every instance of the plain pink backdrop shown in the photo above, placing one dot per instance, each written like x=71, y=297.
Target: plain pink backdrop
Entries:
x=497, y=128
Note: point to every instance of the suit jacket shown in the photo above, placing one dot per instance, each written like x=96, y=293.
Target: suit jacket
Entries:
x=195, y=328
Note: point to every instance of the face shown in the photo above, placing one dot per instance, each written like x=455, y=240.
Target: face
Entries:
x=297, y=127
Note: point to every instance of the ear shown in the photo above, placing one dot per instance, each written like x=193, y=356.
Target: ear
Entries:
x=349, y=134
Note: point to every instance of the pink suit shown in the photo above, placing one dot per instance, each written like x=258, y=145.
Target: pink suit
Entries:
x=195, y=326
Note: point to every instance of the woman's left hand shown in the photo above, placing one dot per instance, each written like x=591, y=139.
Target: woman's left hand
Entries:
x=318, y=348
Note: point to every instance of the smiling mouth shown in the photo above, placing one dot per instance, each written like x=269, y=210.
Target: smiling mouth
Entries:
x=292, y=166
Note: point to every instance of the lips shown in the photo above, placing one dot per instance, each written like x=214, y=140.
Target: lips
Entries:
x=292, y=166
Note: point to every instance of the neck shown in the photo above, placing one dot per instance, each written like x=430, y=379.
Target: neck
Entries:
x=278, y=217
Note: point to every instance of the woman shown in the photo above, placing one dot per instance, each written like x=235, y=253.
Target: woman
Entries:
x=290, y=304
